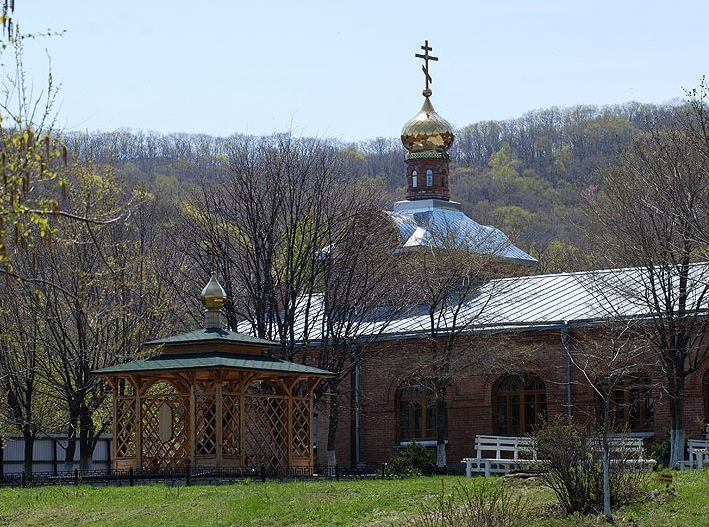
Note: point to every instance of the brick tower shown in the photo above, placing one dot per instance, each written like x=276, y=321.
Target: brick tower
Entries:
x=427, y=136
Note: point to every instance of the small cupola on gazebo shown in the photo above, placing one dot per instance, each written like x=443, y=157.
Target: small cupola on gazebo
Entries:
x=427, y=137
x=213, y=297
x=212, y=398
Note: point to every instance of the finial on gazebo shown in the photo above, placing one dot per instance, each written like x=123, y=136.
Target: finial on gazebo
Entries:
x=213, y=297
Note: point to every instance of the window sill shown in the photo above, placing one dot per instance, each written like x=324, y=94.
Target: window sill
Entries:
x=430, y=442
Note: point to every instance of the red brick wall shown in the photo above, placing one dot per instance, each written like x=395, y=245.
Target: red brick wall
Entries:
x=481, y=361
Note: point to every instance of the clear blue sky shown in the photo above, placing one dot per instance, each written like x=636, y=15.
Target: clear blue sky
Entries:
x=347, y=69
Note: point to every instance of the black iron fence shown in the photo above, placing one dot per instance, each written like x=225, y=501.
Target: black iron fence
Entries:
x=189, y=475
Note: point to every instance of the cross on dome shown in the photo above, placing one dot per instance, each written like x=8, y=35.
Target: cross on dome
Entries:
x=426, y=57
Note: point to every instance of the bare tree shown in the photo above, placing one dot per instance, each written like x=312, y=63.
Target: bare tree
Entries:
x=266, y=224
x=450, y=281
x=651, y=213
x=610, y=359
x=360, y=296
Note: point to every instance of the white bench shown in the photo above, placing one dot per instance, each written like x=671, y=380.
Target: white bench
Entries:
x=500, y=454
x=698, y=454
x=631, y=451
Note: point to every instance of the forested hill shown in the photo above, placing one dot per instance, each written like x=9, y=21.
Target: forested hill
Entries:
x=525, y=176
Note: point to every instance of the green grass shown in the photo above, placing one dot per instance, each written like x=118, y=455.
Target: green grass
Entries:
x=318, y=503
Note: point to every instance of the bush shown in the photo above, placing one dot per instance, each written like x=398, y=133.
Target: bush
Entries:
x=571, y=463
x=660, y=451
x=485, y=503
x=411, y=460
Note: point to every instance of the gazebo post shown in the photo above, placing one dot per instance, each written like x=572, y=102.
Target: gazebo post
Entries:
x=114, y=382
x=193, y=420
x=311, y=389
x=220, y=422
x=138, y=390
x=242, y=419
x=289, y=446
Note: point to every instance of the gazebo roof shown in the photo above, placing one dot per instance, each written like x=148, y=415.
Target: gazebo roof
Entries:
x=213, y=348
x=202, y=336
x=214, y=360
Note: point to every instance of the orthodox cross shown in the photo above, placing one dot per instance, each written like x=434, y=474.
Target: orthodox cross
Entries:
x=426, y=57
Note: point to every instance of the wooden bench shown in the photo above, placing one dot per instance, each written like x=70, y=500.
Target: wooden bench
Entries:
x=500, y=454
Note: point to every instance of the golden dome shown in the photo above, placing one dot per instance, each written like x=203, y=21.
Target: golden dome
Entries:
x=213, y=294
x=427, y=131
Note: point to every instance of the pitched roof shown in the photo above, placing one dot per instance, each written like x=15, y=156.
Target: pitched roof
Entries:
x=528, y=302
x=214, y=335
x=213, y=360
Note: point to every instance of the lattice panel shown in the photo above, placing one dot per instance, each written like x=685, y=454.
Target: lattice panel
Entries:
x=206, y=426
x=301, y=428
x=125, y=427
x=266, y=434
x=230, y=425
x=167, y=454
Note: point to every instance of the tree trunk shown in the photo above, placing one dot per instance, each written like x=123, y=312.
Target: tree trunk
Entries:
x=441, y=425
x=86, y=441
x=677, y=432
x=606, y=459
x=332, y=429
x=70, y=444
x=28, y=461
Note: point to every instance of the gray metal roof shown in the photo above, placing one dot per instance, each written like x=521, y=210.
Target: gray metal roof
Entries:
x=442, y=224
x=528, y=302
x=214, y=360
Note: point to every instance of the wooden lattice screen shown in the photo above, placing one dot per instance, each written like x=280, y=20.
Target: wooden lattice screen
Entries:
x=212, y=423
x=266, y=430
x=171, y=451
x=125, y=427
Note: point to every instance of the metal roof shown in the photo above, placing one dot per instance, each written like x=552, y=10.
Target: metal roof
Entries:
x=528, y=302
x=442, y=224
x=213, y=360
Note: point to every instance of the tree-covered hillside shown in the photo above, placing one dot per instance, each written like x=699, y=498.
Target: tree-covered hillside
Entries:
x=527, y=176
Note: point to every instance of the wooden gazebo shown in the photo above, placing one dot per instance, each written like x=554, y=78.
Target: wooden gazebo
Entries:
x=212, y=398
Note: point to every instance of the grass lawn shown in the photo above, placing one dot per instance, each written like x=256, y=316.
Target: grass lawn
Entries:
x=320, y=503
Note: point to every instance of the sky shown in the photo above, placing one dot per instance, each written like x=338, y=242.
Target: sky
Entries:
x=346, y=70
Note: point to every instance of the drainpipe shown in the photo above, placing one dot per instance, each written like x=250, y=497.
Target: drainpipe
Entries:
x=567, y=346
x=357, y=405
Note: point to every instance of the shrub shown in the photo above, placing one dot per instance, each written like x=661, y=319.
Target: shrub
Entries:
x=485, y=503
x=411, y=460
x=571, y=463
x=660, y=451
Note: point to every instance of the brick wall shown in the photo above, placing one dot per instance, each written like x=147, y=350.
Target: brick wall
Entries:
x=479, y=362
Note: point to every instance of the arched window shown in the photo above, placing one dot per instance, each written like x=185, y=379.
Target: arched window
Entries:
x=417, y=414
x=520, y=403
x=429, y=178
x=414, y=179
x=631, y=405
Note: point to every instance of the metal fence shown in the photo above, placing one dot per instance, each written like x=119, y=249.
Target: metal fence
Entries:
x=49, y=455
x=188, y=476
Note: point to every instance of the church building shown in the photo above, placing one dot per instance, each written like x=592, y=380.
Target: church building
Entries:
x=514, y=361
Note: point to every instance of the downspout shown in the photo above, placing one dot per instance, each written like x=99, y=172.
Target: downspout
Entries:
x=567, y=346
x=357, y=406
